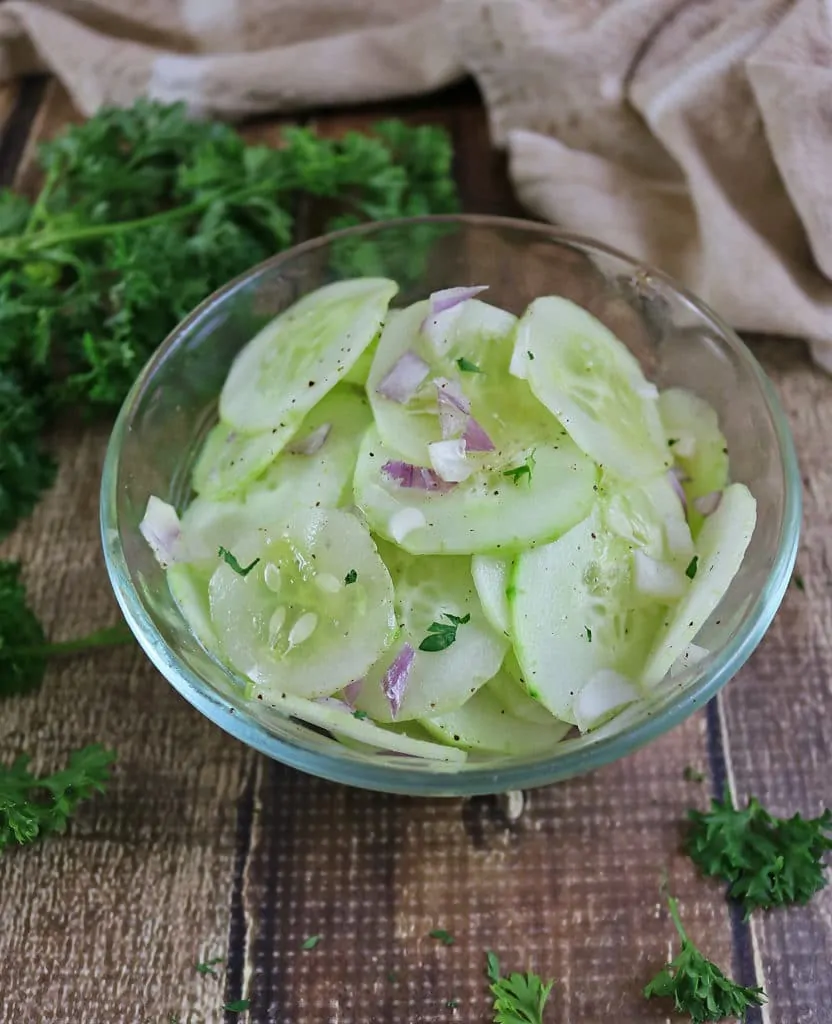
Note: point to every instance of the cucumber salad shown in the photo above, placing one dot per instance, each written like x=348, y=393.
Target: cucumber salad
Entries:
x=448, y=532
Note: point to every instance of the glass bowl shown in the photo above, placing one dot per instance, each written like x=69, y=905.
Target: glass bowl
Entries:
x=678, y=340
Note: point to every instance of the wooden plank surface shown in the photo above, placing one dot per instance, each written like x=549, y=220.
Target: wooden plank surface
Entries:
x=202, y=849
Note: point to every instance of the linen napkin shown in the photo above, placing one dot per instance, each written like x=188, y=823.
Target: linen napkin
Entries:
x=693, y=134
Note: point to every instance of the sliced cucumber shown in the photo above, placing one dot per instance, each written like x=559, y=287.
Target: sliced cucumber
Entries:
x=266, y=620
x=230, y=459
x=491, y=576
x=488, y=512
x=575, y=611
x=426, y=590
x=322, y=479
x=483, y=723
x=296, y=359
x=509, y=687
x=342, y=722
x=592, y=383
x=188, y=586
x=697, y=445
x=650, y=516
x=720, y=549
x=479, y=336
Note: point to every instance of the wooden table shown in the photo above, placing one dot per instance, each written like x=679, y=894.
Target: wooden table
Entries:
x=203, y=849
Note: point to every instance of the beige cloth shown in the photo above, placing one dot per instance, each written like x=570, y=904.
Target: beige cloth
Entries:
x=694, y=134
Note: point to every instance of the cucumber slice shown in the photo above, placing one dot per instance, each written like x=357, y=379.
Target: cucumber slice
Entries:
x=509, y=687
x=267, y=619
x=697, y=445
x=230, y=459
x=481, y=336
x=593, y=384
x=338, y=719
x=322, y=479
x=720, y=549
x=483, y=723
x=439, y=681
x=296, y=359
x=188, y=585
x=491, y=576
x=650, y=516
x=488, y=512
x=575, y=611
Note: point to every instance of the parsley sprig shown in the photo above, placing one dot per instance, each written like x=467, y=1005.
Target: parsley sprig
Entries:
x=518, y=998
x=32, y=807
x=441, y=635
x=697, y=986
x=230, y=560
x=767, y=861
x=524, y=472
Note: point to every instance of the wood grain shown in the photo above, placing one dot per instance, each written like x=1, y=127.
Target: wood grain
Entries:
x=105, y=924
x=775, y=716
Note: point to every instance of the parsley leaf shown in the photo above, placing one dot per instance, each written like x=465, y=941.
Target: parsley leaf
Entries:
x=229, y=559
x=466, y=366
x=797, y=579
x=522, y=472
x=588, y=634
x=444, y=937
x=207, y=966
x=767, y=861
x=693, y=565
x=237, y=1006
x=441, y=635
x=32, y=807
x=360, y=715
x=311, y=942
x=697, y=986
x=24, y=650
x=518, y=998
x=351, y=577
x=26, y=468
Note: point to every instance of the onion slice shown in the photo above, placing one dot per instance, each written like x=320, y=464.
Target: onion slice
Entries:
x=351, y=692
x=312, y=442
x=657, y=579
x=708, y=503
x=404, y=377
x=676, y=484
x=162, y=530
x=394, y=683
x=419, y=477
x=476, y=439
x=601, y=697
x=449, y=461
x=447, y=298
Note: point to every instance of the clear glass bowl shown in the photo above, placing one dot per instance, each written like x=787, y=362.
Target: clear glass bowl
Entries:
x=679, y=342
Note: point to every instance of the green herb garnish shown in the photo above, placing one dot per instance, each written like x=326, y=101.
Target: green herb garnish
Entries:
x=360, y=715
x=207, y=966
x=692, y=774
x=444, y=937
x=521, y=472
x=351, y=577
x=588, y=634
x=32, y=807
x=311, y=942
x=693, y=565
x=767, y=861
x=229, y=559
x=466, y=366
x=697, y=986
x=518, y=998
x=237, y=1006
x=530, y=354
x=442, y=635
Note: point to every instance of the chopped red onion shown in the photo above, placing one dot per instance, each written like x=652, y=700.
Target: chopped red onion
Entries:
x=420, y=477
x=475, y=438
x=162, y=530
x=351, y=691
x=312, y=442
x=708, y=503
x=394, y=683
x=603, y=695
x=646, y=389
x=447, y=298
x=451, y=392
x=403, y=379
x=675, y=483
x=449, y=461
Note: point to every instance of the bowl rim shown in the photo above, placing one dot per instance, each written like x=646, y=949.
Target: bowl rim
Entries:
x=415, y=781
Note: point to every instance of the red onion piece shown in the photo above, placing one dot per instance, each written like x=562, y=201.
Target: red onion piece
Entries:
x=708, y=503
x=451, y=393
x=475, y=438
x=402, y=381
x=312, y=442
x=450, y=297
x=675, y=483
x=394, y=683
x=351, y=691
x=162, y=530
x=419, y=477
